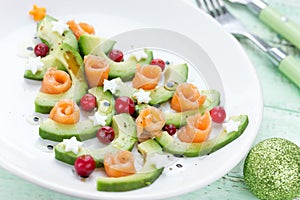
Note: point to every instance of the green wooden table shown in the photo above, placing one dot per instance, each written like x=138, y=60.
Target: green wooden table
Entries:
x=281, y=115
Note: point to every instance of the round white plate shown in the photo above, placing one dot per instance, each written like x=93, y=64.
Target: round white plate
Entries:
x=179, y=30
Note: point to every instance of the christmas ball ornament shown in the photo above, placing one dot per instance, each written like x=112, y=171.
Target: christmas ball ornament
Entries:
x=272, y=169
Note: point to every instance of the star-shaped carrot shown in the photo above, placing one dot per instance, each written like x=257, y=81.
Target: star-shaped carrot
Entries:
x=38, y=13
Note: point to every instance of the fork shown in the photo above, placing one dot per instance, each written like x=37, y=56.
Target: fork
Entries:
x=287, y=64
x=274, y=19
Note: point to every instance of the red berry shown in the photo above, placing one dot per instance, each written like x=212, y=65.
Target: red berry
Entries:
x=116, y=55
x=218, y=114
x=124, y=105
x=41, y=49
x=170, y=128
x=88, y=102
x=106, y=134
x=159, y=62
x=84, y=165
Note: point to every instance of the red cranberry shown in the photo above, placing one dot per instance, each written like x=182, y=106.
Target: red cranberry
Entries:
x=84, y=165
x=170, y=128
x=88, y=102
x=106, y=134
x=124, y=105
x=159, y=62
x=116, y=55
x=41, y=50
x=218, y=114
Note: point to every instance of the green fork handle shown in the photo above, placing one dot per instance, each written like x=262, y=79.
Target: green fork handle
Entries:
x=290, y=67
x=281, y=24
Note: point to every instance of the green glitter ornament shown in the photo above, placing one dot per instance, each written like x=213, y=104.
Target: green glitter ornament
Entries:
x=272, y=169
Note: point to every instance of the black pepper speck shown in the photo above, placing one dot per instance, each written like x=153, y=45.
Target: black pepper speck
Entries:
x=36, y=119
x=50, y=147
x=179, y=165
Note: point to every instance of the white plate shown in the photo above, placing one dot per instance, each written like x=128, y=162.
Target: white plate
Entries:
x=187, y=31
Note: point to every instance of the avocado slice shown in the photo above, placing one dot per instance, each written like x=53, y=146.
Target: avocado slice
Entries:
x=72, y=62
x=125, y=138
x=179, y=118
x=146, y=61
x=158, y=95
x=126, y=69
x=91, y=43
x=55, y=42
x=49, y=61
x=173, y=75
x=82, y=130
x=145, y=177
x=176, y=74
x=105, y=103
x=176, y=147
x=53, y=39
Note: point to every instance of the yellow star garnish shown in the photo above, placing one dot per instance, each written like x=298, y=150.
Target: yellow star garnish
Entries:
x=38, y=13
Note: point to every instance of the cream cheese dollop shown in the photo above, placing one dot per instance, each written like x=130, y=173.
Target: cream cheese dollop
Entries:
x=112, y=85
x=72, y=145
x=139, y=55
x=34, y=64
x=142, y=96
x=59, y=27
x=98, y=119
x=231, y=125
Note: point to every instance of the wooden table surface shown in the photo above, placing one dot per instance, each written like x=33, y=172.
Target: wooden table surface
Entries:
x=281, y=115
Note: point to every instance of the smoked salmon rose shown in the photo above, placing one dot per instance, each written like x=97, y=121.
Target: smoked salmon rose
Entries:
x=120, y=163
x=187, y=97
x=146, y=77
x=197, y=129
x=65, y=111
x=96, y=70
x=149, y=123
x=55, y=81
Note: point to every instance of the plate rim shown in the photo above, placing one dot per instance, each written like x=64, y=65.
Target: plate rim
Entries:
x=34, y=180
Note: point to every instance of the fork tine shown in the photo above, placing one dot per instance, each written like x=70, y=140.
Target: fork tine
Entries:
x=198, y=3
x=209, y=8
x=222, y=6
x=215, y=8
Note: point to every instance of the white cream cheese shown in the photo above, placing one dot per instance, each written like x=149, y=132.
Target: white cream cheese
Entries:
x=142, y=96
x=34, y=64
x=72, y=145
x=231, y=126
x=112, y=85
x=139, y=55
x=98, y=119
x=59, y=26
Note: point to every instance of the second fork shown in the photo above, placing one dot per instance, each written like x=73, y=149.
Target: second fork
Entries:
x=287, y=64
